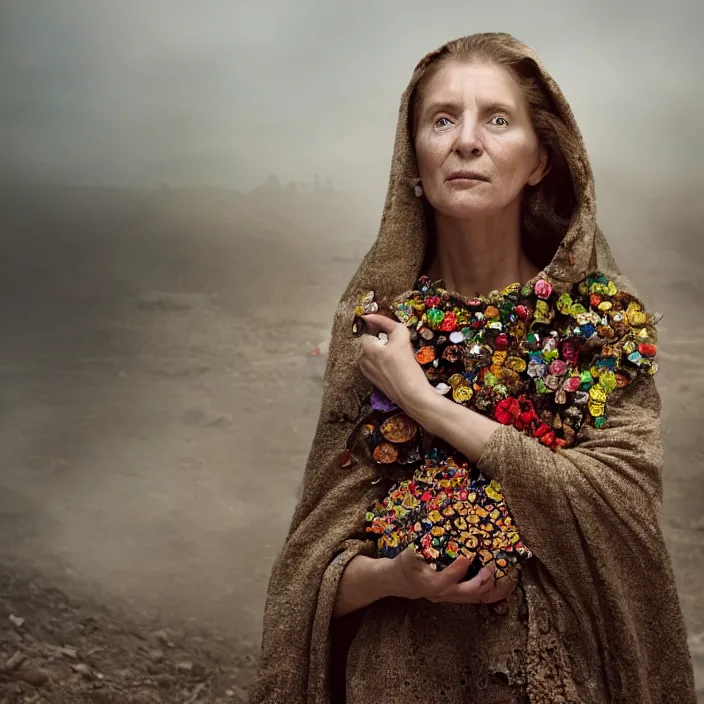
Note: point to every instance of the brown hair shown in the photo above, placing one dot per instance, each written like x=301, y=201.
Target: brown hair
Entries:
x=548, y=208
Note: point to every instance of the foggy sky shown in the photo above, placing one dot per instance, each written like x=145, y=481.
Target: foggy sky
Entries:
x=223, y=92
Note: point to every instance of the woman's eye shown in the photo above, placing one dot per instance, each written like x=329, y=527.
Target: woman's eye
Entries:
x=499, y=121
x=439, y=122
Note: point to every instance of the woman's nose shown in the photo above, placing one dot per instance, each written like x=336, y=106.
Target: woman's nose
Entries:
x=468, y=141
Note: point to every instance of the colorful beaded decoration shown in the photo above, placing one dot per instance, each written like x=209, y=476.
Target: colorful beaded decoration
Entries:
x=541, y=361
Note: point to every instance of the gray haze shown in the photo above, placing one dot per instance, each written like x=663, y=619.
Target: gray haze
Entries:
x=225, y=92
x=158, y=387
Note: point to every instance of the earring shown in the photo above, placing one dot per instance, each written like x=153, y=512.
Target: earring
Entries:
x=418, y=190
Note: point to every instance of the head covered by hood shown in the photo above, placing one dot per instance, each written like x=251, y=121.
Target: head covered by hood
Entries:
x=604, y=621
x=563, y=203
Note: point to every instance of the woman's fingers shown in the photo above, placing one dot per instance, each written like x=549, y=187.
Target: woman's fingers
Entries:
x=375, y=323
x=483, y=588
x=451, y=575
x=371, y=343
x=468, y=590
x=495, y=593
x=501, y=590
x=485, y=591
x=421, y=580
x=471, y=589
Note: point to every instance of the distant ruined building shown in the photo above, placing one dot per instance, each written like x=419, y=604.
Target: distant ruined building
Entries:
x=273, y=185
x=326, y=187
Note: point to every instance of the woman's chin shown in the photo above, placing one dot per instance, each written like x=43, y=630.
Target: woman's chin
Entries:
x=466, y=207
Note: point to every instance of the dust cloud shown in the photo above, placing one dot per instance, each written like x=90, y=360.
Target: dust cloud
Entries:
x=161, y=292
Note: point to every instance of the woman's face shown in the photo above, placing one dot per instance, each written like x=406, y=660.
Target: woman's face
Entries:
x=475, y=144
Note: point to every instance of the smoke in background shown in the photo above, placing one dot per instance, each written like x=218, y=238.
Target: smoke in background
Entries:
x=223, y=92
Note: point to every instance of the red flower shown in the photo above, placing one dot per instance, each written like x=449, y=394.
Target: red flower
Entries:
x=507, y=411
x=527, y=417
x=541, y=430
x=548, y=439
x=502, y=341
x=449, y=322
x=569, y=351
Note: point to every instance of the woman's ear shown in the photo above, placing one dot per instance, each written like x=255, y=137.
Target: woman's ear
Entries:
x=542, y=168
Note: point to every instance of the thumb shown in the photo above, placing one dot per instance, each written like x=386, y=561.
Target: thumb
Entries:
x=380, y=323
x=452, y=574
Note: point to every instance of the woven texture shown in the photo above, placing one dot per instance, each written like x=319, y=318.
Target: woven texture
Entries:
x=596, y=618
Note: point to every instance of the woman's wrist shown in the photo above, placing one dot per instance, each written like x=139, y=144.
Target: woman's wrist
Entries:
x=385, y=580
x=424, y=405
x=462, y=428
x=380, y=580
x=365, y=581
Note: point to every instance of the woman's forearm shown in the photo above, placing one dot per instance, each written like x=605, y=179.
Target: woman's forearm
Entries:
x=364, y=581
x=462, y=428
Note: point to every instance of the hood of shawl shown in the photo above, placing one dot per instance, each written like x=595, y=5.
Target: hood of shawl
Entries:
x=393, y=263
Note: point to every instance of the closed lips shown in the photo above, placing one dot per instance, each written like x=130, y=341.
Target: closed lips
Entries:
x=467, y=175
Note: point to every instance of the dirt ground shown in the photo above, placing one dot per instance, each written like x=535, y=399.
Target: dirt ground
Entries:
x=159, y=399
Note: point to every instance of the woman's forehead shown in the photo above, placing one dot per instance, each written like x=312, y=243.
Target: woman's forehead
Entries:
x=457, y=82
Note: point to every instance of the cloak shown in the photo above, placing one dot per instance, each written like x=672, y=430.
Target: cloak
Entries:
x=601, y=617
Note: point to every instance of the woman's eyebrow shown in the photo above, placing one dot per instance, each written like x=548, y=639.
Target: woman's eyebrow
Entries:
x=497, y=106
x=442, y=106
x=453, y=107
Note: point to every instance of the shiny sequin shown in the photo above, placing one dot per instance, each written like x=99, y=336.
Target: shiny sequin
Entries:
x=398, y=429
x=445, y=510
x=540, y=360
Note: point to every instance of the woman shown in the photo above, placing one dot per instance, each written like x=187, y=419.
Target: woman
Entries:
x=490, y=185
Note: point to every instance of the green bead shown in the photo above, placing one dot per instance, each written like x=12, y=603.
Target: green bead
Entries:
x=564, y=302
x=607, y=381
x=490, y=379
x=435, y=316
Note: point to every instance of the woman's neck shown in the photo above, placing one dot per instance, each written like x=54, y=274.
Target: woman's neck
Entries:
x=477, y=257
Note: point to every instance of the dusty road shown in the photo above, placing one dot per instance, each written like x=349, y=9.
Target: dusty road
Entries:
x=158, y=403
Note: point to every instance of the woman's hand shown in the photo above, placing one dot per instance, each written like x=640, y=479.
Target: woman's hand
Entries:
x=391, y=365
x=485, y=588
x=413, y=578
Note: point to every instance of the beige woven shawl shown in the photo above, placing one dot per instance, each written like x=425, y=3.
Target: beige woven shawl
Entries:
x=604, y=618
